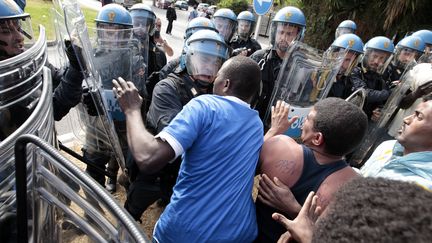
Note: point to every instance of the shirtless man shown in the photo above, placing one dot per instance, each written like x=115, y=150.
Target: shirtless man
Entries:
x=331, y=130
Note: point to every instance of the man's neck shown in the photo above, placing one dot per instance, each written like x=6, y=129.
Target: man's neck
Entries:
x=324, y=158
x=407, y=151
x=281, y=54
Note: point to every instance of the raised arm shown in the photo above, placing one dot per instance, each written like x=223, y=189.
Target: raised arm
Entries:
x=151, y=154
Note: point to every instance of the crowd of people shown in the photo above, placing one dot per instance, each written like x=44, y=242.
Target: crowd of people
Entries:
x=194, y=132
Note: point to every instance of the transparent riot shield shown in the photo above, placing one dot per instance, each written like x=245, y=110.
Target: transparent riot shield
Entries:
x=425, y=58
x=31, y=113
x=305, y=77
x=99, y=126
x=377, y=131
x=358, y=98
x=61, y=212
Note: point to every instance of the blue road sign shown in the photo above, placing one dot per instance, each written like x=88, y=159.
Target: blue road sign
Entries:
x=261, y=7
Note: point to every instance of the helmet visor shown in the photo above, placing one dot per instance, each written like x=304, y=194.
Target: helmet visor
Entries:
x=15, y=36
x=376, y=60
x=244, y=28
x=283, y=34
x=113, y=34
x=343, y=30
x=225, y=27
x=404, y=56
x=203, y=66
x=142, y=25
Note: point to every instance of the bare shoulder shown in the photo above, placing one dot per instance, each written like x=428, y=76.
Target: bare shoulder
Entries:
x=332, y=184
x=282, y=157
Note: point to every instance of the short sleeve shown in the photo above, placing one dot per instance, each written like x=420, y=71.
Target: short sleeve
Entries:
x=187, y=125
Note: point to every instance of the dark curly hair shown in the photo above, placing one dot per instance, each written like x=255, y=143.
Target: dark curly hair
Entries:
x=342, y=124
x=377, y=210
x=245, y=76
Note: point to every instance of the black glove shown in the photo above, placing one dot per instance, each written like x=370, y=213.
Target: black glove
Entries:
x=74, y=58
x=424, y=89
x=89, y=104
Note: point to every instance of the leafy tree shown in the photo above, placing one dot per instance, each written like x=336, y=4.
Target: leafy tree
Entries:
x=391, y=18
x=235, y=5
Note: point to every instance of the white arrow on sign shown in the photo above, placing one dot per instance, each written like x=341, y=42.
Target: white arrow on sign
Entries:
x=261, y=1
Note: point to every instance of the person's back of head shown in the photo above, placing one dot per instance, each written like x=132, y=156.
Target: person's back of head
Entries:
x=342, y=124
x=244, y=76
x=377, y=210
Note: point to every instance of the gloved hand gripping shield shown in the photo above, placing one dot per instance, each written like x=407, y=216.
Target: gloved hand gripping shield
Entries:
x=100, y=127
x=305, y=77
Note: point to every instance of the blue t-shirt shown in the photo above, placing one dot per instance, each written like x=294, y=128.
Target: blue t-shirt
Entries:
x=212, y=199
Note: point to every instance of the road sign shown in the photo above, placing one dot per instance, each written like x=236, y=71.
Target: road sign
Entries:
x=261, y=7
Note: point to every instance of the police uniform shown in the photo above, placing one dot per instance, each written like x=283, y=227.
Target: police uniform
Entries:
x=169, y=97
x=250, y=44
x=375, y=85
x=342, y=88
x=270, y=70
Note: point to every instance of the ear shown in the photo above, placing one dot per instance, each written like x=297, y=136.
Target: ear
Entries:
x=226, y=85
x=318, y=139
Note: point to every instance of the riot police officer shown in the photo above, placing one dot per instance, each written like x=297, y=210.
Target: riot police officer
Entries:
x=345, y=27
x=407, y=50
x=426, y=36
x=243, y=43
x=198, y=23
x=113, y=58
x=206, y=51
x=369, y=74
x=144, y=22
x=288, y=25
x=351, y=47
x=16, y=37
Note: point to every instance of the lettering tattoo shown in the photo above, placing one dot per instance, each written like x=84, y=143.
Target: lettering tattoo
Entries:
x=286, y=166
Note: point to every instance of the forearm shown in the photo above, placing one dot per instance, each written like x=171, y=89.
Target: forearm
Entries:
x=167, y=49
x=145, y=148
x=271, y=133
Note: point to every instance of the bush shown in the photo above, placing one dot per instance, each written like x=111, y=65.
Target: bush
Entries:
x=235, y=5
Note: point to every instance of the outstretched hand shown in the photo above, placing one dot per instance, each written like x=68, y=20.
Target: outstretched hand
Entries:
x=301, y=228
x=127, y=95
x=279, y=119
x=277, y=195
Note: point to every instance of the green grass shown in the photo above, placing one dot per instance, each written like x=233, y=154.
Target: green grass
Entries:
x=40, y=12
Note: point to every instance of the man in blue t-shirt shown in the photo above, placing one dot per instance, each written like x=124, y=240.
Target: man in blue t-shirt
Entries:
x=219, y=137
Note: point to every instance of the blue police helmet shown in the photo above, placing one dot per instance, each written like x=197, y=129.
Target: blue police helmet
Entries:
x=350, y=42
x=10, y=10
x=380, y=43
x=412, y=42
x=207, y=42
x=114, y=14
x=225, y=13
x=199, y=23
x=143, y=14
x=426, y=36
x=246, y=15
x=291, y=15
x=349, y=24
